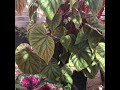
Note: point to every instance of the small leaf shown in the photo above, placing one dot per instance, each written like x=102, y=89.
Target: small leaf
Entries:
x=82, y=36
x=72, y=2
x=94, y=5
x=33, y=7
x=100, y=56
x=55, y=22
x=52, y=71
x=50, y=7
x=27, y=61
x=58, y=33
x=76, y=18
x=93, y=21
x=91, y=71
x=42, y=43
x=65, y=41
x=93, y=39
x=64, y=57
x=67, y=68
x=20, y=5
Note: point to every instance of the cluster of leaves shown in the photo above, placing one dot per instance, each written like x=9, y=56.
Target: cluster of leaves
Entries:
x=72, y=39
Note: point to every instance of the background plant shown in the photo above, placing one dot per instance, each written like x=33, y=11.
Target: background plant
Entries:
x=72, y=39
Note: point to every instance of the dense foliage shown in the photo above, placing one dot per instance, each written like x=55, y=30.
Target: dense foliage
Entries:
x=72, y=39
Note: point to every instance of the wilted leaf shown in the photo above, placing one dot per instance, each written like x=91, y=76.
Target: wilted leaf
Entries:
x=20, y=5
x=50, y=7
x=65, y=41
x=27, y=61
x=42, y=43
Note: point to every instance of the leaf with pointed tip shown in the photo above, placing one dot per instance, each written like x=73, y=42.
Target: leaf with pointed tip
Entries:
x=27, y=61
x=91, y=71
x=42, y=43
x=65, y=41
x=50, y=7
x=20, y=5
x=82, y=36
x=55, y=22
x=76, y=18
x=52, y=71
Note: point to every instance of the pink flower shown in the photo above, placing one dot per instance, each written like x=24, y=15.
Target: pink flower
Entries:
x=30, y=82
x=47, y=87
x=25, y=82
x=34, y=80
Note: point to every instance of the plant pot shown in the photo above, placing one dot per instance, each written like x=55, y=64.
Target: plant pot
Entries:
x=79, y=81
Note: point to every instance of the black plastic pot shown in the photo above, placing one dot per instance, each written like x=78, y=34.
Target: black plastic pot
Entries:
x=79, y=81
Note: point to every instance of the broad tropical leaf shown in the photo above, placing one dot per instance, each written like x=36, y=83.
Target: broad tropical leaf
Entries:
x=52, y=71
x=82, y=36
x=94, y=5
x=50, y=7
x=65, y=41
x=33, y=7
x=27, y=61
x=100, y=56
x=41, y=42
x=20, y=5
x=81, y=56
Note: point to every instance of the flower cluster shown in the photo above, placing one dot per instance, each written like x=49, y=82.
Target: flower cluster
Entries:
x=30, y=81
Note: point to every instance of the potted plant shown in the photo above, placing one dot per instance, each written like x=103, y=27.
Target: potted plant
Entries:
x=68, y=48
